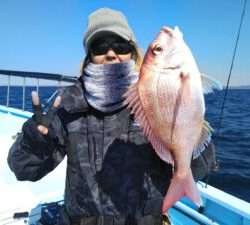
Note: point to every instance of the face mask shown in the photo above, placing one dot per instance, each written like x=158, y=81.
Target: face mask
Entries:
x=105, y=84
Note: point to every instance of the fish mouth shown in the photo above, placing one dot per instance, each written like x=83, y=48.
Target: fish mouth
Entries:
x=149, y=63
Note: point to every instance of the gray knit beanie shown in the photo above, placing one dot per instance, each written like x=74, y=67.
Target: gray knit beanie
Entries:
x=104, y=21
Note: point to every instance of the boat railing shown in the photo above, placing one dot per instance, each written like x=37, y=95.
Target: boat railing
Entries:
x=36, y=75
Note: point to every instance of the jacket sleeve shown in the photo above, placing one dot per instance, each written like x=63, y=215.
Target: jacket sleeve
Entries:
x=33, y=155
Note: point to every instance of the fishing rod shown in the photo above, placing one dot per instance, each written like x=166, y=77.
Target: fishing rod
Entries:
x=231, y=68
x=216, y=166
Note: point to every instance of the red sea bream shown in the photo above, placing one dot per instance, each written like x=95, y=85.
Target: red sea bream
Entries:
x=168, y=103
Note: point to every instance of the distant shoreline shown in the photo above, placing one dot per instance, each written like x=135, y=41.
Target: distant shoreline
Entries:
x=239, y=87
x=51, y=85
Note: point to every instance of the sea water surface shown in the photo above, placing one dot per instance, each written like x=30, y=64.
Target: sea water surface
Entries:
x=232, y=142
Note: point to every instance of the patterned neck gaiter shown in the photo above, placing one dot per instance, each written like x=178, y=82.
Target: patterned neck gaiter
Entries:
x=105, y=84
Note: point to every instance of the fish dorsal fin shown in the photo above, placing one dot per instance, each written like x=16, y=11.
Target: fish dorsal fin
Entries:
x=208, y=84
x=132, y=99
x=204, y=139
x=177, y=32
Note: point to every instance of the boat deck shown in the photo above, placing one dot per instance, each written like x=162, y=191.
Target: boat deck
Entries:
x=23, y=196
x=219, y=207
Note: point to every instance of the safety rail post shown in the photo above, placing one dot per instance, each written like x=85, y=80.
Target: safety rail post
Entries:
x=8, y=92
x=24, y=85
x=37, y=85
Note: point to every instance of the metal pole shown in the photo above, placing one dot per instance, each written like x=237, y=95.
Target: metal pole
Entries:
x=8, y=92
x=24, y=84
x=37, y=86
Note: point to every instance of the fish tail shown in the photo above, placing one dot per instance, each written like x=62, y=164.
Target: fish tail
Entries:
x=181, y=186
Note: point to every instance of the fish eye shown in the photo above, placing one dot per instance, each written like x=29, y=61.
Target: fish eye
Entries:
x=157, y=49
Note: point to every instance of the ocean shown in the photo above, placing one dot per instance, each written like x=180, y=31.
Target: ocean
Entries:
x=232, y=143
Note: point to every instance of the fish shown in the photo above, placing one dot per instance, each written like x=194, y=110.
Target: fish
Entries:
x=168, y=104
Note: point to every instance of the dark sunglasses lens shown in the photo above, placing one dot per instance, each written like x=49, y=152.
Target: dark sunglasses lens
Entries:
x=120, y=48
x=99, y=48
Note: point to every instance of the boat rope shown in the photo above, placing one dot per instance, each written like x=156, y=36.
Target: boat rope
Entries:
x=226, y=89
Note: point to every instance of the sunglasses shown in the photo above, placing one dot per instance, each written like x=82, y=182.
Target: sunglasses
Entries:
x=119, y=47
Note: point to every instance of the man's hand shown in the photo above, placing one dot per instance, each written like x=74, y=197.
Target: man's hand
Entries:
x=43, y=120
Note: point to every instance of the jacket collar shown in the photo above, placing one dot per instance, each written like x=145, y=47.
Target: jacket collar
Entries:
x=73, y=100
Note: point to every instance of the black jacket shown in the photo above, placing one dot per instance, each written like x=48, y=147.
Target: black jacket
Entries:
x=112, y=170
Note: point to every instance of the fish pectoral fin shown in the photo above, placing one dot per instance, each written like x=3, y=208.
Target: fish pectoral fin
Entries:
x=132, y=100
x=208, y=84
x=204, y=139
x=181, y=186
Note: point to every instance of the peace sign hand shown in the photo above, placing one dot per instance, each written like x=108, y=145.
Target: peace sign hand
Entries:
x=43, y=120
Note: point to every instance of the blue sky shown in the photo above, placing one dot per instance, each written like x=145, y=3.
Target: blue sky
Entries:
x=46, y=35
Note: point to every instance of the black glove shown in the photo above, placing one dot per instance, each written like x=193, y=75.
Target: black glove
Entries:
x=43, y=120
